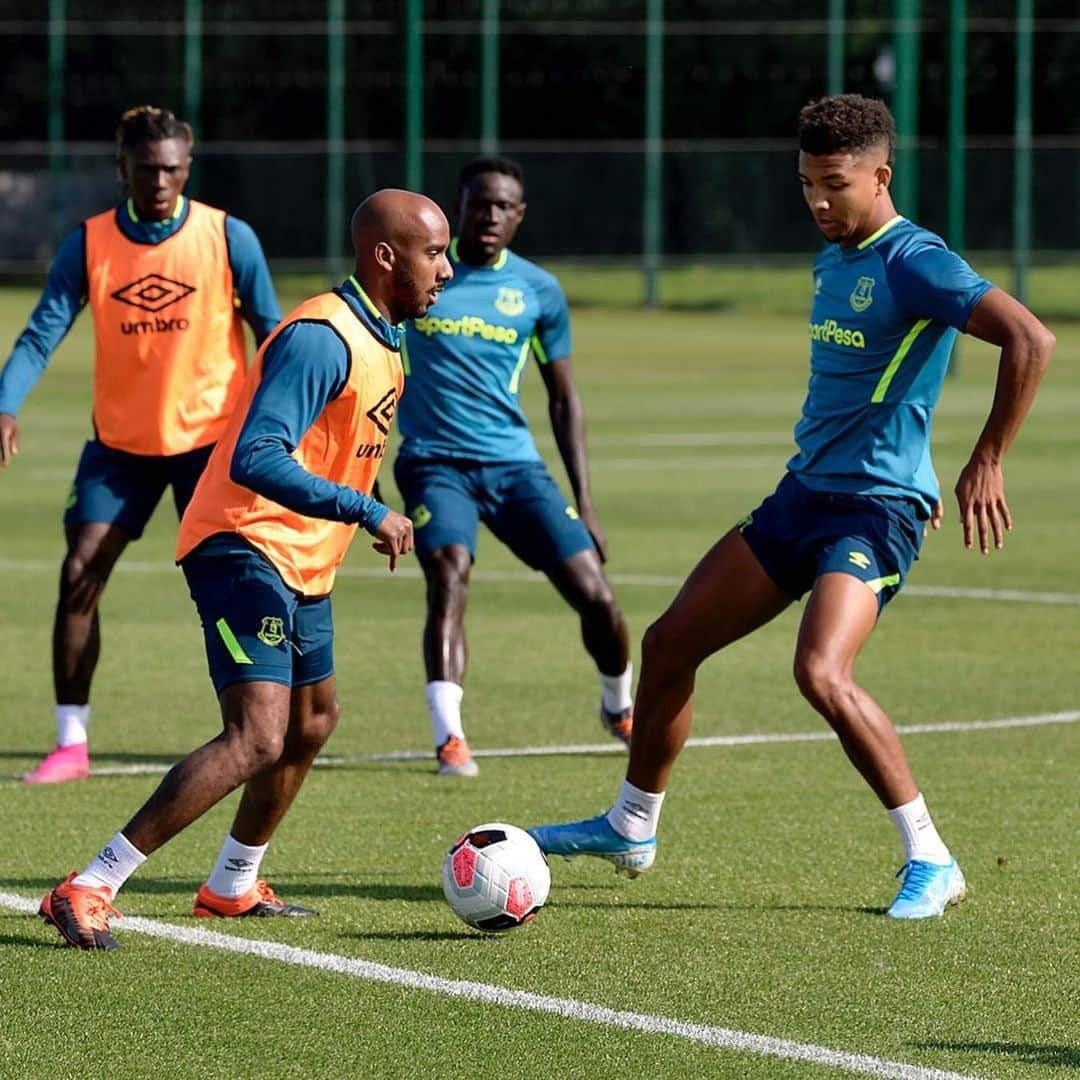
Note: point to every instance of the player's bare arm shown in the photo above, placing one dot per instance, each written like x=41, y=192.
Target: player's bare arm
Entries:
x=9, y=438
x=568, y=426
x=393, y=537
x=1026, y=346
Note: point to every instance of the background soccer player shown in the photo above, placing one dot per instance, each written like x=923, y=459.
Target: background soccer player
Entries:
x=467, y=454
x=167, y=280
x=260, y=544
x=847, y=520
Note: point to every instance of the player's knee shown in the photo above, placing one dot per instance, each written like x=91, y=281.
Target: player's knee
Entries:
x=80, y=586
x=819, y=680
x=317, y=728
x=82, y=569
x=597, y=599
x=660, y=647
x=258, y=746
x=72, y=570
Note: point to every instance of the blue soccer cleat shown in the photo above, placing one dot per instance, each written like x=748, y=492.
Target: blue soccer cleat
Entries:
x=595, y=836
x=928, y=889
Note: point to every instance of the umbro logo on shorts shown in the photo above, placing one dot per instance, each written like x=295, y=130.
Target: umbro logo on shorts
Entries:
x=153, y=292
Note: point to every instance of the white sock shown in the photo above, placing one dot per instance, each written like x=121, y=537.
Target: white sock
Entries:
x=236, y=869
x=921, y=840
x=616, y=696
x=71, y=724
x=444, y=704
x=112, y=865
x=636, y=813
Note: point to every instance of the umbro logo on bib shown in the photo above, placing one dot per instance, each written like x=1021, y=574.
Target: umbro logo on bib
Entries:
x=153, y=292
x=382, y=413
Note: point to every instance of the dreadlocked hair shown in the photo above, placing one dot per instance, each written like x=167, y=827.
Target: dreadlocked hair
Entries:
x=846, y=123
x=147, y=123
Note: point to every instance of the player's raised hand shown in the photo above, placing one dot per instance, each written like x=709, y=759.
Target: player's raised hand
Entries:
x=980, y=494
x=394, y=537
x=9, y=438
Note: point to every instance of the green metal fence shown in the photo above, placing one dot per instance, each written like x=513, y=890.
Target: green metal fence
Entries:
x=656, y=130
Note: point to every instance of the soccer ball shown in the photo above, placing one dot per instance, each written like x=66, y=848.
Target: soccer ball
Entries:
x=495, y=877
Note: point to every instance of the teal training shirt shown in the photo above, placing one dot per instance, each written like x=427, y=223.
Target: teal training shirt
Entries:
x=465, y=359
x=882, y=326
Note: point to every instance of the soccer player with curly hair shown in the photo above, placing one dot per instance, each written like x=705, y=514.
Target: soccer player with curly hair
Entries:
x=848, y=518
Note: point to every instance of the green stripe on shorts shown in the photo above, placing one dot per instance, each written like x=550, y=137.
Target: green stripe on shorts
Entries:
x=236, y=650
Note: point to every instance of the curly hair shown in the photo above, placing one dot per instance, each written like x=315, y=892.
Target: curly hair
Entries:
x=846, y=123
x=147, y=123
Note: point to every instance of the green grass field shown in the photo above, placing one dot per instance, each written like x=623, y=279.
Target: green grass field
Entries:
x=764, y=913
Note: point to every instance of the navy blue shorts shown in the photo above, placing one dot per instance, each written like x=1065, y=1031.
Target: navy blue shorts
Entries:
x=519, y=502
x=122, y=489
x=255, y=627
x=798, y=534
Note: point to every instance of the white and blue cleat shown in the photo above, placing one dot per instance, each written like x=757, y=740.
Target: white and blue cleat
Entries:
x=928, y=889
x=596, y=837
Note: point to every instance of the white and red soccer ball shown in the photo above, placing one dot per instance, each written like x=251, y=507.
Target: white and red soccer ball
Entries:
x=495, y=877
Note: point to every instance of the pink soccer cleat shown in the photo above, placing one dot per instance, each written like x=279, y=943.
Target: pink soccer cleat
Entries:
x=60, y=765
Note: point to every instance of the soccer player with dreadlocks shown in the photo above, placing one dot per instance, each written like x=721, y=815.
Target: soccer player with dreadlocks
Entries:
x=848, y=518
x=167, y=280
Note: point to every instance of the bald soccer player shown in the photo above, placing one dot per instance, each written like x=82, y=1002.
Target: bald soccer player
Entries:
x=259, y=544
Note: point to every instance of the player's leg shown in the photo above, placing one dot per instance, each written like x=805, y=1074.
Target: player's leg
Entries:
x=528, y=512
x=727, y=596
x=256, y=717
x=839, y=618
x=234, y=887
x=247, y=617
x=439, y=498
x=581, y=582
x=861, y=572
x=113, y=496
x=93, y=548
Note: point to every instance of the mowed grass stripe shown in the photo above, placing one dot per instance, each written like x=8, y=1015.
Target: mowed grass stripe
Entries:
x=753, y=739
x=948, y=592
x=720, y=1037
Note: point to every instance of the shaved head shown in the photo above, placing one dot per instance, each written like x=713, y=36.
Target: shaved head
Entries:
x=392, y=215
x=400, y=240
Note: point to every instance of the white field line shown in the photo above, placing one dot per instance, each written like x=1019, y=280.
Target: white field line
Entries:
x=1021, y=596
x=613, y=747
x=723, y=1038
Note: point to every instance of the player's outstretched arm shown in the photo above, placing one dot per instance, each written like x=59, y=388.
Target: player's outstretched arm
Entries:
x=393, y=537
x=1026, y=346
x=57, y=308
x=568, y=426
x=9, y=438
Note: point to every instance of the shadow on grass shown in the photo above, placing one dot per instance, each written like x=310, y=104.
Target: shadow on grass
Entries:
x=183, y=886
x=420, y=935
x=565, y=899
x=25, y=941
x=1032, y=1053
x=367, y=890
x=759, y=908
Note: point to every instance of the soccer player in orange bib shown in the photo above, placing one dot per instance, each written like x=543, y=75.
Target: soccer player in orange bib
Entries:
x=260, y=543
x=168, y=280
